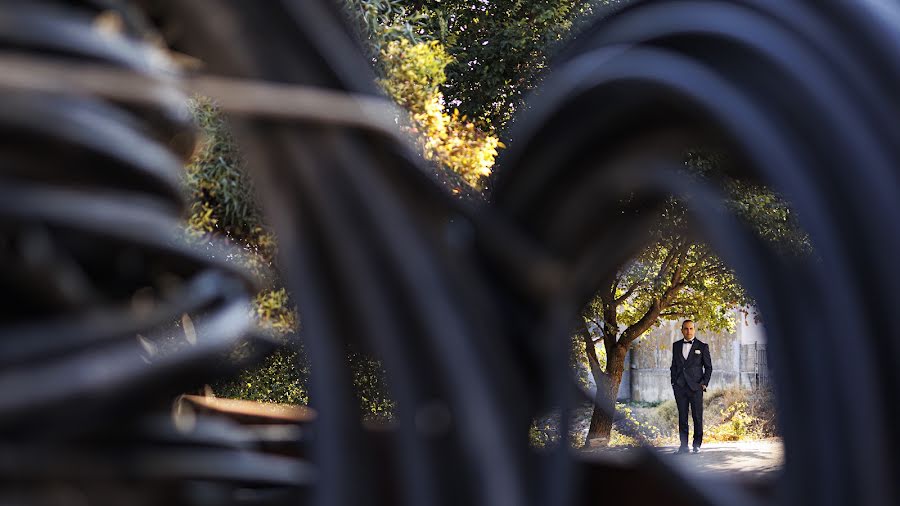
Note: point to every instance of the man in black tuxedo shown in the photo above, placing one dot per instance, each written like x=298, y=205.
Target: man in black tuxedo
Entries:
x=691, y=370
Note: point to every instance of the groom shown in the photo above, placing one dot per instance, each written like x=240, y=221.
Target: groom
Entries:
x=691, y=370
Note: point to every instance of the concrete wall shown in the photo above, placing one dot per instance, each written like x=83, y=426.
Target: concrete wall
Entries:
x=734, y=358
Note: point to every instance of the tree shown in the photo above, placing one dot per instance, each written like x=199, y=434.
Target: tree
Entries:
x=499, y=48
x=411, y=70
x=677, y=277
x=481, y=58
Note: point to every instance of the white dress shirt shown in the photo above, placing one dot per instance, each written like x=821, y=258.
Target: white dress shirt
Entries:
x=686, y=348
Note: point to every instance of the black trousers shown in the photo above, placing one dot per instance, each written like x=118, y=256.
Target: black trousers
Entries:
x=685, y=397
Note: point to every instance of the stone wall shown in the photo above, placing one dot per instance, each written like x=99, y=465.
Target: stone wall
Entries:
x=734, y=358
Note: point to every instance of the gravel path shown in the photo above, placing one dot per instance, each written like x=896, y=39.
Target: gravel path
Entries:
x=756, y=458
x=747, y=458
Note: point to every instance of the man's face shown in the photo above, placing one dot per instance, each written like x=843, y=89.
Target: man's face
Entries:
x=687, y=330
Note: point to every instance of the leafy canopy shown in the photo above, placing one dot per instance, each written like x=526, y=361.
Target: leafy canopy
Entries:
x=677, y=276
x=498, y=47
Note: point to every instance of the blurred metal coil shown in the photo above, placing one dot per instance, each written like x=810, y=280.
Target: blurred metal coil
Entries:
x=469, y=309
x=791, y=90
x=95, y=278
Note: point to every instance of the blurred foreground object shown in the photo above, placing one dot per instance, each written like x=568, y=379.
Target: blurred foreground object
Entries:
x=470, y=310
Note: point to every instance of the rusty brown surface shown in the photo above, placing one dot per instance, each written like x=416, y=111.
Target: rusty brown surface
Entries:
x=251, y=411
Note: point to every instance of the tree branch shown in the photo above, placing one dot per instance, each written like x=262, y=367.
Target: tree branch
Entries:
x=679, y=265
x=634, y=286
x=591, y=352
x=666, y=263
x=636, y=329
x=610, y=319
x=698, y=266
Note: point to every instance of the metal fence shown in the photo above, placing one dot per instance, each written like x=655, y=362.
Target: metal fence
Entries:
x=762, y=369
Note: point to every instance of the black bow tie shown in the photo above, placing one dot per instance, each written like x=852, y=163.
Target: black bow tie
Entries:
x=688, y=342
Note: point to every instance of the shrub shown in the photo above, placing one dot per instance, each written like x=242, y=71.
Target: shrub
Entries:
x=665, y=415
x=544, y=430
x=637, y=428
x=730, y=414
x=223, y=207
x=736, y=425
x=413, y=76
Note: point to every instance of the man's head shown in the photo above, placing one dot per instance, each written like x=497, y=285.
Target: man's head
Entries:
x=687, y=329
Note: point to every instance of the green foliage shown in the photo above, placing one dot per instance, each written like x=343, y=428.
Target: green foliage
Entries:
x=543, y=433
x=413, y=74
x=282, y=378
x=676, y=276
x=579, y=362
x=499, y=48
x=222, y=199
x=629, y=430
x=730, y=414
x=696, y=284
x=369, y=380
x=221, y=193
x=737, y=414
x=666, y=415
x=274, y=311
x=223, y=206
x=461, y=69
x=617, y=439
x=379, y=22
x=735, y=427
x=629, y=426
x=410, y=66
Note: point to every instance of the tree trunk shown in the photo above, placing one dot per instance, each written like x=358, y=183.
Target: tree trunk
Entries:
x=605, y=401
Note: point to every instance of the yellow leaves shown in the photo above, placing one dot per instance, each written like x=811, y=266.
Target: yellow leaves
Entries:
x=737, y=424
x=617, y=439
x=413, y=75
x=274, y=311
x=413, y=72
x=202, y=220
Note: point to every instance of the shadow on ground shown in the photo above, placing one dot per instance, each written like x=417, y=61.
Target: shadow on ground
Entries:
x=749, y=459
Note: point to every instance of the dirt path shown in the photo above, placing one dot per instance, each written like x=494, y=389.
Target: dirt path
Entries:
x=745, y=457
x=748, y=458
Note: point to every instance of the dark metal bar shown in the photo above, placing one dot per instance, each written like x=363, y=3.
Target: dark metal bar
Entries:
x=468, y=307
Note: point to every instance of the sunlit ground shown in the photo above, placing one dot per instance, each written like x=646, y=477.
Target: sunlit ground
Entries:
x=757, y=458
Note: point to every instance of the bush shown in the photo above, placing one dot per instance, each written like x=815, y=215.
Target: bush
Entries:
x=223, y=207
x=730, y=414
x=282, y=378
x=740, y=413
x=628, y=430
x=637, y=428
x=762, y=406
x=665, y=416
x=544, y=430
x=736, y=425
x=413, y=76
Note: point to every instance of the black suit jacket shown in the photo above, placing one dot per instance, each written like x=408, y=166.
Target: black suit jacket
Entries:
x=693, y=371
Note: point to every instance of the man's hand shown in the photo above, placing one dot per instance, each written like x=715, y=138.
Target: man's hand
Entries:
x=704, y=387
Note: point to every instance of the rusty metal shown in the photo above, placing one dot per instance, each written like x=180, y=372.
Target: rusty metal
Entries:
x=469, y=307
